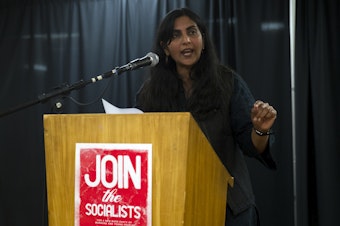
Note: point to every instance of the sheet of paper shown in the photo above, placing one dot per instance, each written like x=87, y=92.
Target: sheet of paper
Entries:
x=111, y=109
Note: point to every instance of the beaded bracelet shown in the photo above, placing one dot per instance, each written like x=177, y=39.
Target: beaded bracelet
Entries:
x=260, y=133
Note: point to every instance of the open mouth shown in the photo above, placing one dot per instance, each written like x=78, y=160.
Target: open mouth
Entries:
x=187, y=52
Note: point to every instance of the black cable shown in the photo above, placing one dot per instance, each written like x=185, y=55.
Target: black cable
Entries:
x=94, y=101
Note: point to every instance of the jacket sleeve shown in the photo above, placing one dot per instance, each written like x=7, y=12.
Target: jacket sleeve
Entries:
x=240, y=106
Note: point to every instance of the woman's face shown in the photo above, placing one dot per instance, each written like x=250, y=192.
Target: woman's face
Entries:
x=186, y=44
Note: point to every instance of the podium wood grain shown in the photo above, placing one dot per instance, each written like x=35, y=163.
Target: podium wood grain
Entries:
x=189, y=185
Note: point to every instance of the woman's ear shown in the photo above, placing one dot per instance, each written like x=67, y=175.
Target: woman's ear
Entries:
x=165, y=48
x=166, y=51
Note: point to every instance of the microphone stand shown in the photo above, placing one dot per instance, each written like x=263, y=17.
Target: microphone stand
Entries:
x=64, y=90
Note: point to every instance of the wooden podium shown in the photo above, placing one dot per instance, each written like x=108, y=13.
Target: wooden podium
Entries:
x=189, y=183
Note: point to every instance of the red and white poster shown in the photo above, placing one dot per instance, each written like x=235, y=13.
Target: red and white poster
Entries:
x=113, y=184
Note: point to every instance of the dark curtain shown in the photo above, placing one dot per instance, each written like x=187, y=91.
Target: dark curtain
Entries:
x=317, y=111
x=45, y=44
x=262, y=58
x=253, y=38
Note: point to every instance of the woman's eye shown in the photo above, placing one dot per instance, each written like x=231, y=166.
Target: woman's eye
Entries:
x=175, y=35
x=193, y=32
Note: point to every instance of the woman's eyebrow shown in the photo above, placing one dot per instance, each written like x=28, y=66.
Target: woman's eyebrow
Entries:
x=188, y=28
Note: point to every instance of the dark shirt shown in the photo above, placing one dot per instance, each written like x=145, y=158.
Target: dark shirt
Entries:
x=230, y=136
x=229, y=132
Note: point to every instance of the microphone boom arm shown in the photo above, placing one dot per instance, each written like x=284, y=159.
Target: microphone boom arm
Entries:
x=65, y=90
x=150, y=59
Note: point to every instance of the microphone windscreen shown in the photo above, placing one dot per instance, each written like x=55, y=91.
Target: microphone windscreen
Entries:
x=154, y=58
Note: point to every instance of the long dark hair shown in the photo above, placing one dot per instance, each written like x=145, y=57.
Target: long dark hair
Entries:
x=160, y=91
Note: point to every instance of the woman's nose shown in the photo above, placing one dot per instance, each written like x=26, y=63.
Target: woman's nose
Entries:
x=186, y=38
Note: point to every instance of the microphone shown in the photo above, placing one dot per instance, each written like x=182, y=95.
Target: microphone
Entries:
x=151, y=59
